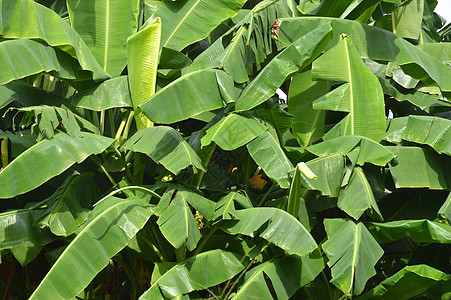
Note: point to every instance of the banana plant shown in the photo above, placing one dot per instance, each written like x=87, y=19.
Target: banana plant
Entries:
x=146, y=152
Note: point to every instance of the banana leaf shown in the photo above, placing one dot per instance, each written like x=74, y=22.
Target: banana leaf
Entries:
x=294, y=58
x=420, y=231
x=343, y=63
x=330, y=170
x=225, y=207
x=109, y=94
x=368, y=152
x=190, y=95
x=177, y=222
x=411, y=282
x=374, y=43
x=105, y=26
x=47, y=159
x=445, y=209
x=357, y=196
x=441, y=51
x=422, y=100
x=107, y=231
x=199, y=272
x=407, y=19
x=40, y=58
x=283, y=230
x=308, y=123
x=52, y=29
x=268, y=154
x=352, y=253
x=273, y=116
x=186, y=22
x=233, y=131
x=68, y=207
x=296, y=203
x=301, y=270
x=22, y=94
x=142, y=64
x=17, y=228
x=416, y=167
x=166, y=146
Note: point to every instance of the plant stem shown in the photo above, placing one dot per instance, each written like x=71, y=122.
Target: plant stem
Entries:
x=326, y=283
x=102, y=122
x=197, y=178
x=266, y=195
x=127, y=127
x=110, y=178
x=4, y=152
x=204, y=241
x=111, y=117
x=307, y=293
x=127, y=169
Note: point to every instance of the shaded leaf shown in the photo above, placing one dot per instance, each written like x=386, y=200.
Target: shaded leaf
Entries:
x=225, y=207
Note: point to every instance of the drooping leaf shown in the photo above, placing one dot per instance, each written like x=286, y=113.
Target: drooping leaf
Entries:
x=166, y=146
x=233, y=131
x=26, y=95
x=199, y=272
x=105, y=26
x=411, y=282
x=47, y=159
x=53, y=30
x=108, y=94
x=358, y=196
x=407, y=19
x=330, y=171
x=225, y=207
x=374, y=43
x=142, y=64
x=369, y=150
x=268, y=154
x=186, y=22
x=177, y=222
x=343, y=63
x=420, y=231
x=189, y=95
x=352, y=253
x=109, y=228
x=308, y=123
x=68, y=207
x=283, y=230
x=416, y=167
x=295, y=57
x=301, y=270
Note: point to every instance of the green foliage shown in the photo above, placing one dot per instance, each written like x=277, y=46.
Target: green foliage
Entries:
x=145, y=154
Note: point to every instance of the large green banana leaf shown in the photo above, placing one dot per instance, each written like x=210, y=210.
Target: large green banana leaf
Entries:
x=417, y=167
x=251, y=41
x=40, y=58
x=294, y=58
x=375, y=43
x=268, y=154
x=166, y=146
x=308, y=123
x=199, y=272
x=108, y=94
x=420, y=231
x=424, y=101
x=407, y=18
x=361, y=95
x=358, y=196
x=411, y=282
x=190, y=95
x=296, y=205
x=445, y=209
x=441, y=51
x=142, y=64
x=350, y=9
x=109, y=228
x=105, y=26
x=233, y=131
x=189, y=21
x=47, y=159
x=177, y=222
x=352, y=253
x=330, y=170
x=368, y=152
x=297, y=272
x=69, y=205
x=26, y=95
x=53, y=30
x=17, y=228
x=225, y=207
x=283, y=230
